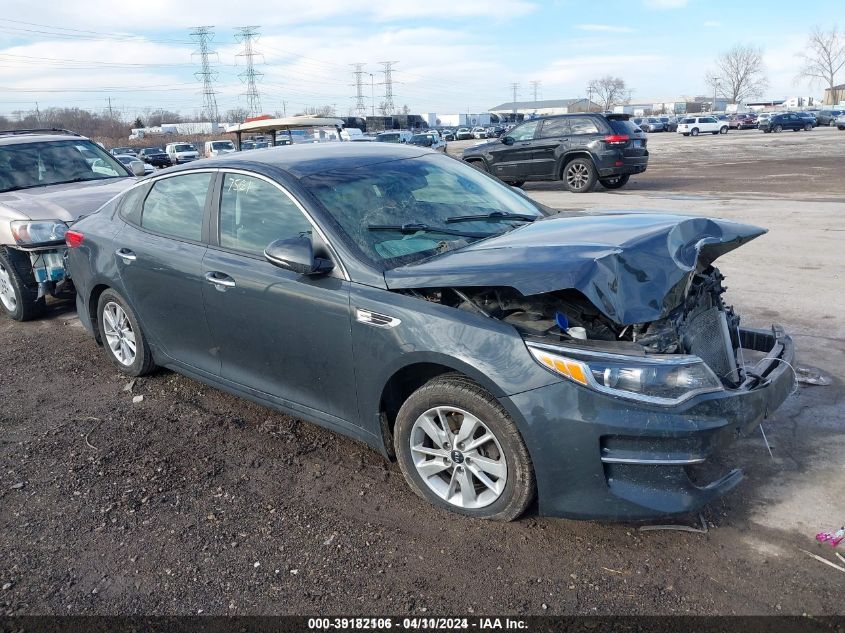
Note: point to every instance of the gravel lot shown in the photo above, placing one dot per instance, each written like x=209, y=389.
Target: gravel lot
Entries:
x=195, y=501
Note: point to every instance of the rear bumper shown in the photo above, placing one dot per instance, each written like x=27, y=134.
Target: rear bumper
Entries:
x=597, y=456
x=615, y=163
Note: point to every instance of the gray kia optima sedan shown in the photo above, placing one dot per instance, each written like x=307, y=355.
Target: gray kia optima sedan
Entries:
x=498, y=350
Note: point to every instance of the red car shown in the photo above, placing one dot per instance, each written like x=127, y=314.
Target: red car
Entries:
x=742, y=121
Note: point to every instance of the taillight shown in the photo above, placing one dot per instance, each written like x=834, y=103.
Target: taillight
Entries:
x=616, y=139
x=73, y=239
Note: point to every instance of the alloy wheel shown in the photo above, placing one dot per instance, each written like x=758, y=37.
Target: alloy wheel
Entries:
x=577, y=176
x=458, y=457
x=7, y=290
x=119, y=334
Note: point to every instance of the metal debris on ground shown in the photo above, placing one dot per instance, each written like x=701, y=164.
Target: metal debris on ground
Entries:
x=824, y=560
x=129, y=385
x=137, y=399
x=811, y=376
x=681, y=528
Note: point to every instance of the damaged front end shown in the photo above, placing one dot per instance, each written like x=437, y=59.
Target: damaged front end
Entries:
x=659, y=395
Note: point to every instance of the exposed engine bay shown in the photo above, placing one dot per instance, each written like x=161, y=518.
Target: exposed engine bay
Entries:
x=702, y=325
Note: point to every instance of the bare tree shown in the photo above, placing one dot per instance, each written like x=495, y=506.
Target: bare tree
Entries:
x=823, y=58
x=236, y=115
x=609, y=91
x=739, y=74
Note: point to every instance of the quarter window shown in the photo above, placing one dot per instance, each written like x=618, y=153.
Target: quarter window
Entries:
x=254, y=213
x=583, y=125
x=175, y=206
x=554, y=127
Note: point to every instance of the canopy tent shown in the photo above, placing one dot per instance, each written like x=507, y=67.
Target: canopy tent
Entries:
x=271, y=126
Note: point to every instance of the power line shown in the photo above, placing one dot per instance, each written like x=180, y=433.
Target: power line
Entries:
x=388, y=86
x=360, y=106
x=203, y=35
x=247, y=34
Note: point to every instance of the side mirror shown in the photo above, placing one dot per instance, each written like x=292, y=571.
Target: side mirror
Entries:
x=137, y=168
x=297, y=254
x=507, y=140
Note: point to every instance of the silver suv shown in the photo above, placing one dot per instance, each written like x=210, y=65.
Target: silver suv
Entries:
x=48, y=179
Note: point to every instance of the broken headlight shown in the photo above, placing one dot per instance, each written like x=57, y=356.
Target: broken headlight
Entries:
x=32, y=232
x=661, y=379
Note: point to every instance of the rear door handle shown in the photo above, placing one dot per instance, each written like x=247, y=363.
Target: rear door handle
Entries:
x=221, y=280
x=126, y=255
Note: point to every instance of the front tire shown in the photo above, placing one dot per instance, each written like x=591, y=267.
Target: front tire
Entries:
x=808, y=127
x=723, y=130
x=579, y=175
x=777, y=129
x=617, y=182
x=459, y=450
x=124, y=342
x=694, y=131
x=18, y=289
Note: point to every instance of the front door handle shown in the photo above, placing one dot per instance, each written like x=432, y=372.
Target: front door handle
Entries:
x=126, y=255
x=220, y=280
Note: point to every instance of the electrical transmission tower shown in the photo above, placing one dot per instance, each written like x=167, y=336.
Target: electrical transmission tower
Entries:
x=202, y=35
x=514, y=89
x=534, y=86
x=360, y=107
x=388, y=87
x=247, y=35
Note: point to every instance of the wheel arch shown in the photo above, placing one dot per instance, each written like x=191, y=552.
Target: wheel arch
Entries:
x=92, y=303
x=569, y=157
x=405, y=380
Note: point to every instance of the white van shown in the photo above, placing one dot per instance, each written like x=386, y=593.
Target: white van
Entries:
x=399, y=136
x=181, y=152
x=217, y=148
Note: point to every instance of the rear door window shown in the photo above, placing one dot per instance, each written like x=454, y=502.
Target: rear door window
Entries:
x=583, y=125
x=554, y=127
x=620, y=126
x=175, y=206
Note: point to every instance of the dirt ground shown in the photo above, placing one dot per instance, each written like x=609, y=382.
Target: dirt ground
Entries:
x=194, y=501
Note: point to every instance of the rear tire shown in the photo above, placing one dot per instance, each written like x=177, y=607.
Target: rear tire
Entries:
x=18, y=288
x=808, y=127
x=517, y=183
x=777, y=129
x=480, y=165
x=723, y=130
x=124, y=342
x=433, y=419
x=579, y=175
x=617, y=182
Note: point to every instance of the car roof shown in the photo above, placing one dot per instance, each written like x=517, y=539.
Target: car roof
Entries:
x=310, y=158
x=19, y=139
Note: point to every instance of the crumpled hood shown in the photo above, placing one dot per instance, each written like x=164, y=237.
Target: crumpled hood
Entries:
x=62, y=202
x=633, y=267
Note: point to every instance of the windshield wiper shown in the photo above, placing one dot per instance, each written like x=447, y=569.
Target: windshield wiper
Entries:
x=493, y=216
x=417, y=227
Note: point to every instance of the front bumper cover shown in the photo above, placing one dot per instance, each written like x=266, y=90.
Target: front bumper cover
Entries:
x=599, y=456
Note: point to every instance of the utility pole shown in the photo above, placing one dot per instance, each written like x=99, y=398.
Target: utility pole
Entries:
x=111, y=114
x=284, y=108
x=589, y=97
x=388, y=86
x=360, y=106
x=373, y=92
x=514, y=88
x=247, y=35
x=202, y=35
x=715, y=85
x=534, y=86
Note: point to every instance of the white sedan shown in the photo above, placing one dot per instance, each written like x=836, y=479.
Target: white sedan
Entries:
x=695, y=125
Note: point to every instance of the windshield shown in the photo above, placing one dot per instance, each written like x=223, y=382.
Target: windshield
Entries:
x=26, y=165
x=184, y=148
x=222, y=145
x=427, y=191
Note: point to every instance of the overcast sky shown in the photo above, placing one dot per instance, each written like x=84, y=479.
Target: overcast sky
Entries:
x=453, y=55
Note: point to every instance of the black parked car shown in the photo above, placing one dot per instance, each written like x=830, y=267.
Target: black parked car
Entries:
x=405, y=299
x=578, y=149
x=786, y=121
x=155, y=156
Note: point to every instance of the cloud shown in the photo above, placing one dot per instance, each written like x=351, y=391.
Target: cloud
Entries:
x=665, y=4
x=608, y=28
